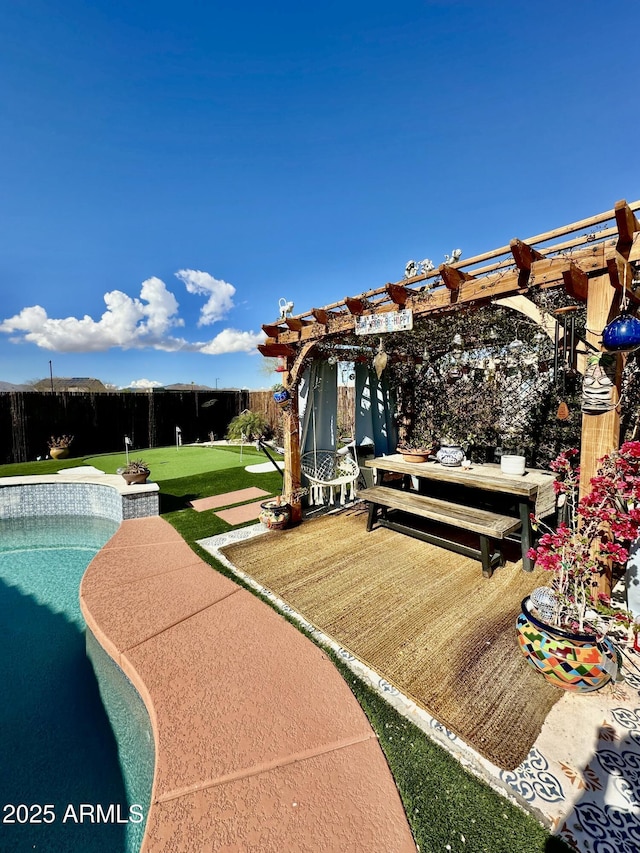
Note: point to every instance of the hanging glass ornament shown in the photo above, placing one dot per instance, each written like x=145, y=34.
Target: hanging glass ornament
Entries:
x=622, y=334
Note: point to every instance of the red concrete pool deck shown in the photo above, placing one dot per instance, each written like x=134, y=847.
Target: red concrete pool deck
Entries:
x=260, y=744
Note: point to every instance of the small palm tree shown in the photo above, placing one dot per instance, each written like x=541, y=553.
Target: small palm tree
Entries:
x=247, y=426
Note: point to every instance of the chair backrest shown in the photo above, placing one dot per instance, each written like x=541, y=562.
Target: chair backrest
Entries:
x=327, y=465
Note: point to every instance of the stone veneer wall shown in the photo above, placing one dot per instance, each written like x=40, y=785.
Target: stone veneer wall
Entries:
x=18, y=501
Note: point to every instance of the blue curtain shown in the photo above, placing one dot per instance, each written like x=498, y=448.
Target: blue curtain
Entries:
x=319, y=407
x=375, y=405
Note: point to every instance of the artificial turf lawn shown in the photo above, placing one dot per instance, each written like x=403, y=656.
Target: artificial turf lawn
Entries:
x=171, y=463
x=445, y=804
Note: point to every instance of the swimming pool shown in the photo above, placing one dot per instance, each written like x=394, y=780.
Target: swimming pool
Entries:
x=75, y=738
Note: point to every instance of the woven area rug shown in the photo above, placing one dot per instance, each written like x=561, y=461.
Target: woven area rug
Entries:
x=422, y=617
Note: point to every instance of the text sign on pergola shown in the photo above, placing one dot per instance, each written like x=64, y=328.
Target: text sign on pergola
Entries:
x=593, y=267
x=375, y=324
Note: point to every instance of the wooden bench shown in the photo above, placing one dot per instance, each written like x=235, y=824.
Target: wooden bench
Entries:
x=488, y=525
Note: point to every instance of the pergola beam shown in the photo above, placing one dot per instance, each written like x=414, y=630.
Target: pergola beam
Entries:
x=576, y=282
x=453, y=277
x=321, y=316
x=271, y=330
x=354, y=305
x=626, y=223
x=398, y=293
x=275, y=350
x=621, y=272
x=296, y=324
x=524, y=254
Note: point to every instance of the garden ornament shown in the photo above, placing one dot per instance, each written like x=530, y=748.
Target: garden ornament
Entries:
x=286, y=308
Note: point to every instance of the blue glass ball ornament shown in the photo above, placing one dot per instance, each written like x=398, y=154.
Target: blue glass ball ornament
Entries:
x=621, y=334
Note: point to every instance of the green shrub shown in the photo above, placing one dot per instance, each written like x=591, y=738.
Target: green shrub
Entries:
x=247, y=425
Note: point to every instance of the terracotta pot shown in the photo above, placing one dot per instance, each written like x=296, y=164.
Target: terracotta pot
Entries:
x=577, y=662
x=58, y=452
x=140, y=477
x=415, y=455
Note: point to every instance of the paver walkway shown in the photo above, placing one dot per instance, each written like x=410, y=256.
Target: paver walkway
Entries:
x=260, y=744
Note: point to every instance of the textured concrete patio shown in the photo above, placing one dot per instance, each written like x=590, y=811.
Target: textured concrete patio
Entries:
x=259, y=742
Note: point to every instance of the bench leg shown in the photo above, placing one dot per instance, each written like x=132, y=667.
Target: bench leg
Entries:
x=527, y=535
x=485, y=556
x=371, y=518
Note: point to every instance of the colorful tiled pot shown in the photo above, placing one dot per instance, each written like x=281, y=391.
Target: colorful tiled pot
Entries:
x=577, y=662
x=275, y=516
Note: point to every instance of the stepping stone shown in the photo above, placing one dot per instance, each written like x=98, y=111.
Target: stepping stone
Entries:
x=228, y=498
x=239, y=514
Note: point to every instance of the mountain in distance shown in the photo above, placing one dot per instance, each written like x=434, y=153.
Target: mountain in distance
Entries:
x=9, y=386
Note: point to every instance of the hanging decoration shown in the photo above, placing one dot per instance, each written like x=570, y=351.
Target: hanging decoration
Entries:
x=282, y=398
x=598, y=384
x=623, y=333
x=380, y=360
x=564, y=353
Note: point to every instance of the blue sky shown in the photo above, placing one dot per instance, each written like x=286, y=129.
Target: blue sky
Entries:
x=170, y=170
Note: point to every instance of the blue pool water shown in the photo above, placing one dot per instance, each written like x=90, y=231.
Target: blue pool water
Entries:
x=73, y=731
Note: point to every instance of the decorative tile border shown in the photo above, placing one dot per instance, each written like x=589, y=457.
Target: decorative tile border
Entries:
x=581, y=778
x=74, y=498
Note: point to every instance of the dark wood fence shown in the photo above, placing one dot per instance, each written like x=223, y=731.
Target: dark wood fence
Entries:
x=99, y=422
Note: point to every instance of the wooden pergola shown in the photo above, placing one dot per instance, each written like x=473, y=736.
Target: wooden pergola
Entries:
x=593, y=267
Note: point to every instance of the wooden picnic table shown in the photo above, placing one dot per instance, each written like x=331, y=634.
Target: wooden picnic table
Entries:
x=482, y=485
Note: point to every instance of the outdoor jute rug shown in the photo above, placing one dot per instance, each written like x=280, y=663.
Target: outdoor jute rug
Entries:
x=425, y=619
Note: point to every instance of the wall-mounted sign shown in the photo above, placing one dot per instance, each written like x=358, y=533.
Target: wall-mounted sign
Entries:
x=387, y=321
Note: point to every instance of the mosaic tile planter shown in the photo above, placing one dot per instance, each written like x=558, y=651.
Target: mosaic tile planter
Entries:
x=275, y=516
x=577, y=662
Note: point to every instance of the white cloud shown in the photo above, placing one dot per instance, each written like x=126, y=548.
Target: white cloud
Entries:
x=136, y=323
x=127, y=323
x=220, y=293
x=232, y=340
x=144, y=384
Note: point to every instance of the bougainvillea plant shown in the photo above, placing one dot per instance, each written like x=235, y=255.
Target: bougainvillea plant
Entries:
x=593, y=539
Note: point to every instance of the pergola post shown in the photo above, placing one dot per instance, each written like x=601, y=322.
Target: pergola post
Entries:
x=292, y=473
x=600, y=433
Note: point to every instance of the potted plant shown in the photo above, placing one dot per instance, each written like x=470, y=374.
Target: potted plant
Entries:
x=135, y=471
x=280, y=395
x=566, y=630
x=59, y=446
x=276, y=513
x=418, y=448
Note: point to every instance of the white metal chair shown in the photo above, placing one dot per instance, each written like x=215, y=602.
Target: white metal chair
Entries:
x=329, y=473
